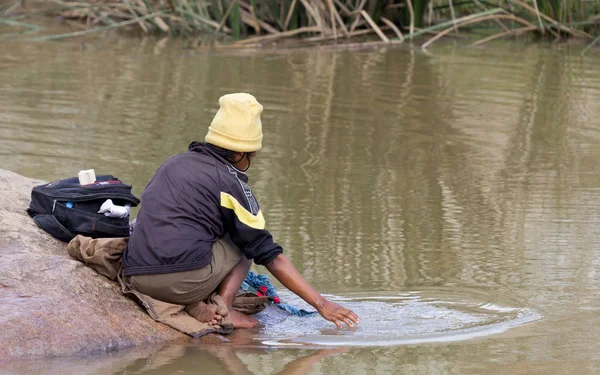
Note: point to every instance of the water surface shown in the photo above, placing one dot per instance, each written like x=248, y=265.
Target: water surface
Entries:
x=451, y=198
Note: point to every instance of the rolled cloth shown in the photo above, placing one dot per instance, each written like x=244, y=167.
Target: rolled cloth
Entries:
x=254, y=283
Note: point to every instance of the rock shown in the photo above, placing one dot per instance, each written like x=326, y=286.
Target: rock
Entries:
x=52, y=305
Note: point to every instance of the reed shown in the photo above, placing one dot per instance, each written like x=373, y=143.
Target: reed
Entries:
x=255, y=22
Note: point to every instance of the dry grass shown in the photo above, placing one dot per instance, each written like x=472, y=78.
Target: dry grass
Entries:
x=255, y=22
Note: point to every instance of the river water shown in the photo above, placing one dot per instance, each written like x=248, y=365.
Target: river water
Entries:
x=451, y=199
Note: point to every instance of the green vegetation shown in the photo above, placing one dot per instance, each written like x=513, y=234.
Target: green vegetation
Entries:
x=255, y=22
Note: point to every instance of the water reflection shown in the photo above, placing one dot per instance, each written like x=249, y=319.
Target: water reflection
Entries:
x=224, y=359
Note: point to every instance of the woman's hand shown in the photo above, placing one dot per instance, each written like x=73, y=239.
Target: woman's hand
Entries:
x=337, y=314
x=288, y=275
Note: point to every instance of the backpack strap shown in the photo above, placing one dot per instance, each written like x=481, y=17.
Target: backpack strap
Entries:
x=51, y=225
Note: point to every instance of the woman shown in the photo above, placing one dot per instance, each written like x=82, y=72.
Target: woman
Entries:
x=200, y=226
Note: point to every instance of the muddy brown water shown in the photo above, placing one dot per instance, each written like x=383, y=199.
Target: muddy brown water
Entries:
x=452, y=199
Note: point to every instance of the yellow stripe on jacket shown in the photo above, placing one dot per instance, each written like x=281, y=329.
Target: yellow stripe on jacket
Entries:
x=254, y=221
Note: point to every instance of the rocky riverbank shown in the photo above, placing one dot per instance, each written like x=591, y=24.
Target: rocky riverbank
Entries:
x=52, y=305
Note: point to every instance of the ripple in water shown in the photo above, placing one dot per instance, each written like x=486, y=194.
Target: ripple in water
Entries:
x=406, y=318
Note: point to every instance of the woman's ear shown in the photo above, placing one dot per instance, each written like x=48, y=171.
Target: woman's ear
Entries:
x=236, y=157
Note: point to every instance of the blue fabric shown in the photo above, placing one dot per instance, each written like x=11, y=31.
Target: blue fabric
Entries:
x=294, y=310
x=254, y=281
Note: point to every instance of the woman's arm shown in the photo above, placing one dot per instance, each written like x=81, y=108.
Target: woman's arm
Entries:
x=284, y=271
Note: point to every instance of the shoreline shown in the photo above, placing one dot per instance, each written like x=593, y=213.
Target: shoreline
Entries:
x=356, y=30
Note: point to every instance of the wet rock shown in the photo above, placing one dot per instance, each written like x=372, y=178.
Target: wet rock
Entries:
x=50, y=304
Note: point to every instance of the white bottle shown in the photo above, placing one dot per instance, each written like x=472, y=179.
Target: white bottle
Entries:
x=86, y=177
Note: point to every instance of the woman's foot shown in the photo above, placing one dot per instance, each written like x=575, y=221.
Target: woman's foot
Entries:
x=215, y=321
x=209, y=314
x=241, y=320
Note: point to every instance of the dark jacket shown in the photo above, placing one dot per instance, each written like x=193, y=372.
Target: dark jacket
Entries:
x=193, y=199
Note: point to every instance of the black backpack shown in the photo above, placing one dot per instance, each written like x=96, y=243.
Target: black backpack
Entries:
x=65, y=208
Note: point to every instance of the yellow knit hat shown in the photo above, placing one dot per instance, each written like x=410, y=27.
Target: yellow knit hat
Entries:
x=237, y=125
